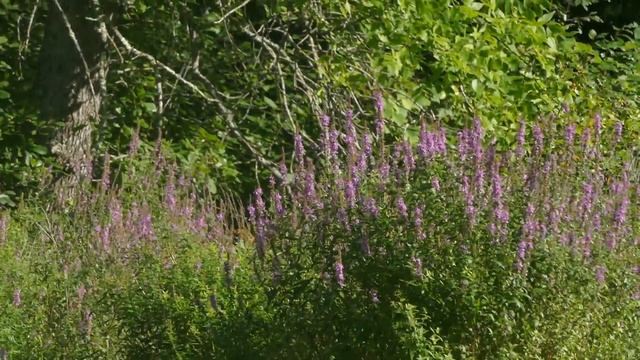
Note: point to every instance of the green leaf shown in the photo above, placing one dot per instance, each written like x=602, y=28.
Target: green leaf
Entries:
x=474, y=84
x=149, y=106
x=636, y=33
x=476, y=5
x=6, y=200
x=39, y=149
x=546, y=17
x=552, y=43
x=4, y=94
x=271, y=103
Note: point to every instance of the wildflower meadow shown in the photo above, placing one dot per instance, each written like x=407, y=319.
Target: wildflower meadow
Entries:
x=442, y=247
x=320, y=179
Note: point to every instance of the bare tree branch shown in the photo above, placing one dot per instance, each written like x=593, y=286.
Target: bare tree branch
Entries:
x=231, y=12
x=212, y=97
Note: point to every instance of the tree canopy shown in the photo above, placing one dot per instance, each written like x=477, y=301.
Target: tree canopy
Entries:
x=228, y=83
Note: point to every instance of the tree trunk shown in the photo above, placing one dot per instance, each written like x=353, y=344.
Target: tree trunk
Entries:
x=72, y=74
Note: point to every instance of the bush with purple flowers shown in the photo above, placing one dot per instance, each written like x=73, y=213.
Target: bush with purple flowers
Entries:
x=438, y=246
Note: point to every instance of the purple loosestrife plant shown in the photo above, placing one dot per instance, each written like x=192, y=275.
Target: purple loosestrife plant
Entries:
x=618, y=127
x=425, y=145
x=145, y=226
x=409, y=160
x=600, y=274
x=325, y=121
x=370, y=207
x=350, y=193
x=299, y=149
x=401, y=207
x=350, y=136
x=17, y=298
x=82, y=291
x=597, y=124
x=115, y=211
x=260, y=222
x=417, y=266
x=279, y=207
x=282, y=169
x=417, y=222
x=570, y=133
x=560, y=203
x=435, y=184
x=538, y=139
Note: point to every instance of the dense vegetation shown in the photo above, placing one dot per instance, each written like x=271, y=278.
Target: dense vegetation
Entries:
x=427, y=250
x=319, y=179
x=277, y=65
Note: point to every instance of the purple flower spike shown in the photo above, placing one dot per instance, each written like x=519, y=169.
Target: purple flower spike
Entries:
x=597, y=123
x=435, y=184
x=299, y=148
x=252, y=213
x=417, y=221
x=17, y=298
x=326, y=121
x=521, y=254
x=538, y=139
x=371, y=208
x=146, y=226
x=570, y=133
x=282, y=169
x=600, y=274
x=310, y=186
x=417, y=266
x=105, y=238
x=366, y=145
x=82, y=291
x=409, y=161
x=618, y=130
x=115, y=210
x=350, y=193
x=277, y=198
x=402, y=207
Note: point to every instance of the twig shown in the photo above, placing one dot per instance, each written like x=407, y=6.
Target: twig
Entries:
x=159, y=64
x=33, y=15
x=213, y=98
x=281, y=54
x=231, y=12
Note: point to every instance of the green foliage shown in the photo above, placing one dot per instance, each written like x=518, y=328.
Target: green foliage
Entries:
x=277, y=65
